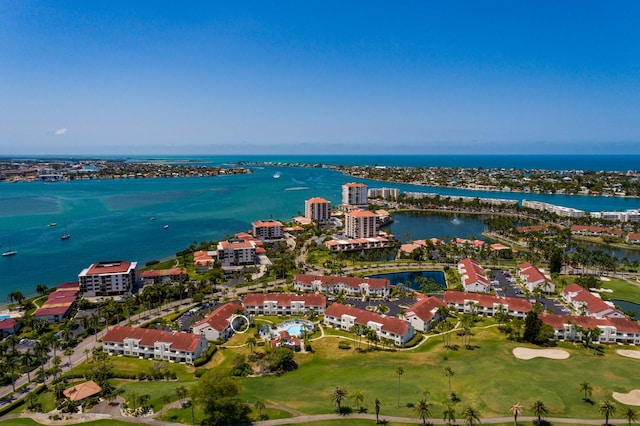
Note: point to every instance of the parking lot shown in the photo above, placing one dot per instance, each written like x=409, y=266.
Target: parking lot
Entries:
x=505, y=286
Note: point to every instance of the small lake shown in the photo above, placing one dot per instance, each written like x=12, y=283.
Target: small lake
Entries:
x=424, y=225
x=408, y=279
x=628, y=307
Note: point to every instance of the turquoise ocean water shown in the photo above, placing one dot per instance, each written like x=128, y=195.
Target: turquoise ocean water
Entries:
x=110, y=219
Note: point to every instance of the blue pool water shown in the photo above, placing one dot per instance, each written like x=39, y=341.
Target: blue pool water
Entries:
x=295, y=330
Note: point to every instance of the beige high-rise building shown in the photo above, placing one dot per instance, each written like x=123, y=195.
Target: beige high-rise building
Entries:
x=355, y=194
x=361, y=224
x=317, y=209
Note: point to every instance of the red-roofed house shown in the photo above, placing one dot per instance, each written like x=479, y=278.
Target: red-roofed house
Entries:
x=612, y=330
x=485, y=304
x=283, y=303
x=59, y=303
x=358, y=286
x=8, y=326
x=154, y=344
x=633, y=238
x=473, y=276
x=424, y=313
x=345, y=317
x=219, y=324
x=267, y=230
x=587, y=303
x=533, y=278
x=108, y=278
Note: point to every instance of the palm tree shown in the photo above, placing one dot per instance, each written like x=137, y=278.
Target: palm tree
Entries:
x=516, y=410
x=471, y=416
x=251, y=343
x=377, y=404
x=338, y=394
x=423, y=410
x=449, y=414
x=358, y=397
x=27, y=359
x=587, y=389
x=449, y=373
x=539, y=409
x=399, y=372
x=607, y=408
x=68, y=352
x=11, y=363
x=630, y=415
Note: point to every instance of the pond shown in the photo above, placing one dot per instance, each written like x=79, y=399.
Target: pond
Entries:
x=628, y=307
x=409, y=278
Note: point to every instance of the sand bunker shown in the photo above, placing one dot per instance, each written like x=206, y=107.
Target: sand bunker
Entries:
x=605, y=279
x=631, y=398
x=628, y=353
x=527, y=353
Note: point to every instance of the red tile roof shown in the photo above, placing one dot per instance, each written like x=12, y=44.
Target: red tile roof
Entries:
x=109, y=267
x=219, y=319
x=7, y=324
x=474, y=272
x=594, y=303
x=558, y=322
x=266, y=223
x=46, y=311
x=317, y=200
x=284, y=299
x=392, y=324
x=163, y=272
x=487, y=300
x=362, y=213
x=353, y=282
x=423, y=308
x=148, y=337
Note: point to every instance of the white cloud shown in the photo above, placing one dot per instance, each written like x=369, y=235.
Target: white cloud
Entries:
x=60, y=132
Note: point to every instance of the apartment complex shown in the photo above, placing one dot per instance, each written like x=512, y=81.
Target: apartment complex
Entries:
x=153, y=344
x=533, y=278
x=355, y=194
x=353, y=286
x=283, y=303
x=425, y=313
x=108, y=278
x=473, y=276
x=236, y=252
x=361, y=224
x=266, y=230
x=317, y=209
x=345, y=317
x=485, y=304
x=552, y=208
x=219, y=324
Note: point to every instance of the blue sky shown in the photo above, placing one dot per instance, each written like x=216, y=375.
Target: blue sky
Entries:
x=431, y=77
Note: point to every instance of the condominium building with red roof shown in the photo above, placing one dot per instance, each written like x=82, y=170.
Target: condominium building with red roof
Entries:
x=486, y=304
x=386, y=327
x=473, y=276
x=589, y=304
x=355, y=194
x=317, y=209
x=221, y=323
x=612, y=330
x=354, y=286
x=425, y=313
x=283, y=303
x=360, y=224
x=153, y=344
x=533, y=278
x=267, y=230
x=108, y=278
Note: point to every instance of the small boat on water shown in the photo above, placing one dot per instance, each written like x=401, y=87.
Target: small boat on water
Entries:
x=9, y=253
x=166, y=227
x=276, y=175
x=152, y=218
x=65, y=236
x=52, y=224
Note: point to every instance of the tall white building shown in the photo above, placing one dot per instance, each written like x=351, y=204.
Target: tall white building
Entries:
x=355, y=194
x=108, y=278
x=361, y=224
x=317, y=209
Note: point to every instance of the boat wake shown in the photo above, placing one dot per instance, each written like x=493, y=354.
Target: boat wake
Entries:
x=297, y=188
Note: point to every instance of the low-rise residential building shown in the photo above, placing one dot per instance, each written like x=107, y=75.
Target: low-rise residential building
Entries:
x=204, y=260
x=108, y=278
x=633, y=238
x=8, y=326
x=425, y=313
x=623, y=216
x=473, y=277
x=153, y=344
x=381, y=241
x=267, y=230
x=353, y=286
x=596, y=231
x=219, y=324
x=345, y=317
x=589, y=304
x=486, y=304
x=317, y=209
x=157, y=276
x=533, y=278
x=612, y=330
x=283, y=303
x=552, y=208
x=59, y=303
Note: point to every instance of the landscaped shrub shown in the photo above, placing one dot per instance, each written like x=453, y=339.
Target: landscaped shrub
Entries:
x=344, y=345
x=205, y=357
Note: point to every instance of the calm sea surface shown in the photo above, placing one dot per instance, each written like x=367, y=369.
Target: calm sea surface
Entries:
x=111, y=219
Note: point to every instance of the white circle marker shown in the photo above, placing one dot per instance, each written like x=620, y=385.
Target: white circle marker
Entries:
x=233, y=318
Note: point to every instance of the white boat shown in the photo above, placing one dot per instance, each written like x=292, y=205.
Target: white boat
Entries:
x=276, y=175
x=53, y=224
x=9, y=253
x=166, y=227
x=65, y=237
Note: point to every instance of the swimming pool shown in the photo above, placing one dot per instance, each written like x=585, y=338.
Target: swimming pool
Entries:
x=295, y=327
